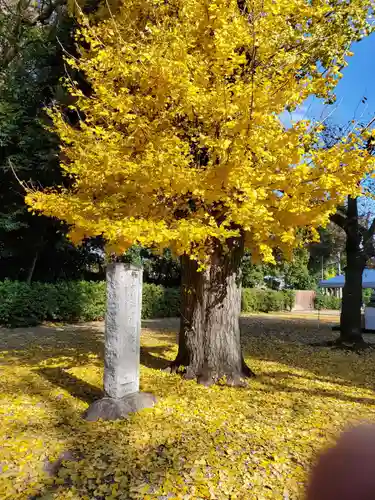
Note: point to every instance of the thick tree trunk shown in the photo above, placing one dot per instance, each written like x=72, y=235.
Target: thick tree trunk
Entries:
x=209, y=339
x=359, y=248
x=350, y=319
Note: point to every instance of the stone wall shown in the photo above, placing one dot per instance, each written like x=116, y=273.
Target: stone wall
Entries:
x=304, y=300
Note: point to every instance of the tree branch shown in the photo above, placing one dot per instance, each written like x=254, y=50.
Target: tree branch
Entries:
x=340, y=220
x=369, y=249
x=371, y=230
x=46, y=13
x=21, y=17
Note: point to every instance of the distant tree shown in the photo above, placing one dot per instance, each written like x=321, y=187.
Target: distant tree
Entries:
x=22, y=22
x=356, y=220
x=252, y=274
x=27, y=150
x=291, y=273
x=33, y=38
x=296, y=272
x=329, y=251
x=160, y=269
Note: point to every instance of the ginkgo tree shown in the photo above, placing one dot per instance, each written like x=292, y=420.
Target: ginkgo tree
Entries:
x=180, y=144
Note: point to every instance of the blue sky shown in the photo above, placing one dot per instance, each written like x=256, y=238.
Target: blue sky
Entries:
x=358, y=81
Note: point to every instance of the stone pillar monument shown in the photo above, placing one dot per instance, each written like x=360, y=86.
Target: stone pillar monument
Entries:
x=122, y=346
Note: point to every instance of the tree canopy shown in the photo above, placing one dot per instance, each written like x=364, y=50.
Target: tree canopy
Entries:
x=32, y=38
x=180, y=141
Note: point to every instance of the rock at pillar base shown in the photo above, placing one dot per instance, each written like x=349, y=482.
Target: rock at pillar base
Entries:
x=115, y=409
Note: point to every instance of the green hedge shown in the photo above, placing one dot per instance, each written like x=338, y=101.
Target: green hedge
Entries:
x=258, y=300
x=323, y=301
x=160, y=302
x=24, y=305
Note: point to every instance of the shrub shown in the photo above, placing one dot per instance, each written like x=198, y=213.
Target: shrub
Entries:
x=251, y=300
x=273, y=301
x=22, y=304
x=366, y=295
x=258, y=300
x=323, y=301
x=25, y=305
x=289, y=298
x=160, y=302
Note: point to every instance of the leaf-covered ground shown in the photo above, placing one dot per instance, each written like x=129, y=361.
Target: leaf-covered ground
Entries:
x=197, y=443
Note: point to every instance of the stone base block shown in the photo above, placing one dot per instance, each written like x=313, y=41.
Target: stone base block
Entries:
x=115, y=409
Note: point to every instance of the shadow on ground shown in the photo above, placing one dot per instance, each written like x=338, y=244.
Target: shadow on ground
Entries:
x=288, y=341
x=75, y=345
x=76, y=387
x=70, y=345
x=268, y=338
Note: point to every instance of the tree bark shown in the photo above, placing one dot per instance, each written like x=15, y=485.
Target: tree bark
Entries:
x=209, y=339
x=350, y=319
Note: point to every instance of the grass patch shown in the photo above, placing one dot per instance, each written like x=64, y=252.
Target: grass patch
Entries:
x=197, y=443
